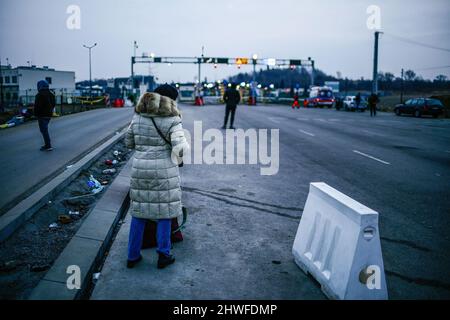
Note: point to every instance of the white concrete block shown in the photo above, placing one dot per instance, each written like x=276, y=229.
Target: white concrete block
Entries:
x=338, y=243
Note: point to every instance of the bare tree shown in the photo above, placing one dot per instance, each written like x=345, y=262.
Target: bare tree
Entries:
x=410, y=75
x=441, y=78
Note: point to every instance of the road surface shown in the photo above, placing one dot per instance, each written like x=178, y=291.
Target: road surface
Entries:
x=24, y=166
x=242, y=224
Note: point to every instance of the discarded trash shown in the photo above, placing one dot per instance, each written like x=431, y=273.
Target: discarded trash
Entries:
x=116, y=153
x=14, y=121
x=114, y=162
x=53, y=225
x=74, y=213
x=94, y=185
x=64, y=219
x=108, y=162
x=104, y=182
x=69, y=166
x=95, y=277
x=8, y=266
x=50, y=201
x=40, y=268
x=109, y=171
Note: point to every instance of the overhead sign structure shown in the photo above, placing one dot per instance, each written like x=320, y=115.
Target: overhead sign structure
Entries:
x=239, y=61
x=213, y=60
x=222, y=60
x=271, y=62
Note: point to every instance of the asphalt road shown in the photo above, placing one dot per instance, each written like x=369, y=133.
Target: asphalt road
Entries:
x=242, y=224
x=24, y=166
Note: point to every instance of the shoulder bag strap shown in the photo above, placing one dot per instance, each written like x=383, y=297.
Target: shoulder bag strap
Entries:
x=160, y=133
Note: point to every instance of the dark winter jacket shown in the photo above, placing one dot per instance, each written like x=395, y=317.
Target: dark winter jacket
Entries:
x=232, y=97
x=373, y=100
x=44, y=103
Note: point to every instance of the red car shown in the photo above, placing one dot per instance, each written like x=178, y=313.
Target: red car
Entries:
x=118, y=103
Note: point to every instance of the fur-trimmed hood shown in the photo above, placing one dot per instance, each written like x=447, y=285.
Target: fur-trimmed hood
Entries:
x=153, y=104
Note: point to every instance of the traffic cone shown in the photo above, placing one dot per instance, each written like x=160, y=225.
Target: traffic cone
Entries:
x=251, y=101
x=198, y=101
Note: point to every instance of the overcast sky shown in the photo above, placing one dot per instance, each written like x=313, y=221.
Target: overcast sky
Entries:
x=333, y=32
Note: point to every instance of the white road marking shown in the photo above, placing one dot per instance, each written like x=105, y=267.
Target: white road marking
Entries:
x=323, y=120
x=306, y=132
x=370, y=157
x=303, y=119
x=373, y=133
x=274, y=120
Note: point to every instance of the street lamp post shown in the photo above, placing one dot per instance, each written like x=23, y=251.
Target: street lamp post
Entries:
x=255, y=60
x=90, y=69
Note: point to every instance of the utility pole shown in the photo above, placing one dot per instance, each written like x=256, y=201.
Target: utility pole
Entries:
x=375, y=64
x=200, y=67
x=135, y=46
x=402, y=88
x=90, y=69
x=312, y=71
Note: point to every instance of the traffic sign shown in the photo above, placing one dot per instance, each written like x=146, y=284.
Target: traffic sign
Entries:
x=240, y=61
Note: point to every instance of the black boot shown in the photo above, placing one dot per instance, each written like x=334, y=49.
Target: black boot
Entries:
x=46, y=148
x=164, y=261
x=132, y=263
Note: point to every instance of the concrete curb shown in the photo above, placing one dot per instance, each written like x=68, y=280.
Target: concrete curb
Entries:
x=89, y=244
x=24, y=210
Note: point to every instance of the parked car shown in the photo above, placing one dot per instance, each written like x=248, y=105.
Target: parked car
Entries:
x=349, y=104
x=320, y=97
x=419, y=107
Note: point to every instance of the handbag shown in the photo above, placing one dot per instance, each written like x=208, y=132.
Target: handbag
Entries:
x=164, y=137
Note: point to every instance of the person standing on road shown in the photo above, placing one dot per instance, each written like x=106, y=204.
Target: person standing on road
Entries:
x=44, y=103
x=358, y=100
x=373, y=100
x=156, y=133
x=232, y=99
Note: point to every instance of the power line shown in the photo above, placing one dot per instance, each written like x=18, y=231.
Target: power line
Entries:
x=433, y=68
x=417, y=42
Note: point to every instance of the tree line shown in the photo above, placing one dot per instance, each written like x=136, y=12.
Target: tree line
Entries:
x=301, y=78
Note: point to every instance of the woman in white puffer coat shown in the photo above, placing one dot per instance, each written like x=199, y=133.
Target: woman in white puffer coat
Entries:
x=155, y=178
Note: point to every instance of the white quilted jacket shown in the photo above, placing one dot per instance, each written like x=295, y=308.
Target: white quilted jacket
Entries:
x=155, y=178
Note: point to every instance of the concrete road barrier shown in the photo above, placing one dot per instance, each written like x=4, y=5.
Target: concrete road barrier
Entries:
x=338, y=243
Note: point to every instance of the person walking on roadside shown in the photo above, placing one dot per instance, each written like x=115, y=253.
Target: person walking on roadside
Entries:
x=156, y=133
x=358, y=100
x=231, y=99
x=44, y=103
x=373, y=100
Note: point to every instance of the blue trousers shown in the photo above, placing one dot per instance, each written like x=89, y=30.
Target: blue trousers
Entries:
x=43, y=127
x=163, y=231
